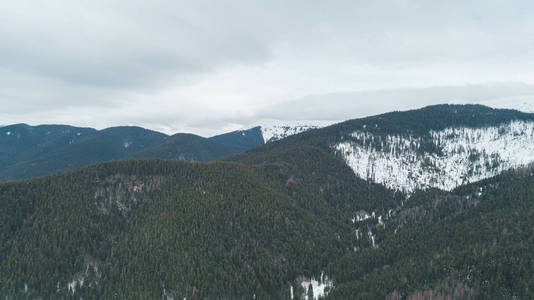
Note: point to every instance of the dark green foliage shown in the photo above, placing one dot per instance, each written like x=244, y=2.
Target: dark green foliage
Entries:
x=479, y=241
x=199, y=230
x=212, y=229
x=188, y=147
x=144, y=228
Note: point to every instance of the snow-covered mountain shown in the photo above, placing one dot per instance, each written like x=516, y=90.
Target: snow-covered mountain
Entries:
x=273, y=130
x=441, y=159
x=277, y=132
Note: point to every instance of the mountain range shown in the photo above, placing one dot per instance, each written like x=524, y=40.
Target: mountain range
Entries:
x=31, y=151
x=434, y=203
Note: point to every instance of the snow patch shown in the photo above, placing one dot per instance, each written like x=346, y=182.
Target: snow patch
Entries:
x=372, y=238
x=320, y=288
x=464, y=155
x=380, y=222
x=80, y=278
x=8, y=133
x=361, y=216
x=74, y=283
x=127, y=144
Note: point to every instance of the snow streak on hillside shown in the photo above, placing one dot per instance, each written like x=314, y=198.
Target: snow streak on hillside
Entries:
x=442, y=159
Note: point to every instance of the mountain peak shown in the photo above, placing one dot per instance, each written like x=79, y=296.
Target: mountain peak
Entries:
x=441, y=146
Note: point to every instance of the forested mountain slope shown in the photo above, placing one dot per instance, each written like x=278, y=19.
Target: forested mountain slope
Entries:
x=476, y=242
x=289, y=218
x=440, y=146
x=22, y=142
x=188, y=147
x=151, y=228
x=108, y=144
x=240, y=140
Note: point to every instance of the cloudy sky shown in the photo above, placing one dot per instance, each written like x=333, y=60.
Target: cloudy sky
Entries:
x=212, y=66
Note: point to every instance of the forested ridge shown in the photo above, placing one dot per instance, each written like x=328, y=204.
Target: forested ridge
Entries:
x=263, y=222
x=417, y=123
x=31, y=151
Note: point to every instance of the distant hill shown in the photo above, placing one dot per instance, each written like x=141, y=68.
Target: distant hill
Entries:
x=241, y=140
x=21, y=142
x=77, y=150
x=30, y=151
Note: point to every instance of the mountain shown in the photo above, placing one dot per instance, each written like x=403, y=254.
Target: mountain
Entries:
x=475, y=242
x=274, y=130
x=241, y=140
x=30, y=151
x=288, y=219
x=278, y=132
x=154, y=228
x=440, y=146
x=21, y=142
x=445, y=156
x=83, y=149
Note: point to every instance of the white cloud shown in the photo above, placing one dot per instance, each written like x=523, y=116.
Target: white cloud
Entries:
x=205, y=66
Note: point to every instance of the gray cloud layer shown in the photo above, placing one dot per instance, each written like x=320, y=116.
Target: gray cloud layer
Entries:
x=208, y=66
x=343, y=106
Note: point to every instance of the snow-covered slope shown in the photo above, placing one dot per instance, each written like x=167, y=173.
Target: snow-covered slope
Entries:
x=274, y=130
x=442, y=159
x=277, y=132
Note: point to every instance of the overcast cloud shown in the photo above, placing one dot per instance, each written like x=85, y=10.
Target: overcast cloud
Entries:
x=211, y=66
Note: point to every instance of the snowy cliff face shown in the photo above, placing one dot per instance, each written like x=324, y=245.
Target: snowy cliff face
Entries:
x=442, y=159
